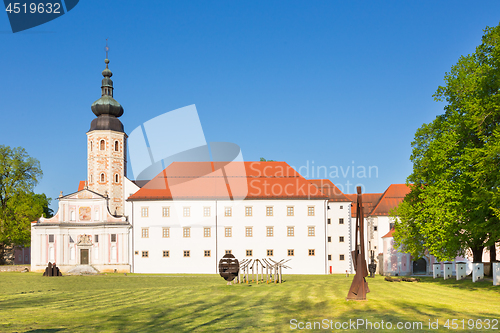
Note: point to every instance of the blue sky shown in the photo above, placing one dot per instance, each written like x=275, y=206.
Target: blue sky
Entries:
x=323, y=83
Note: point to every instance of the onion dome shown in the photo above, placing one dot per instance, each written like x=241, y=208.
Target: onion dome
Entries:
x=107, y=104
x=106, y=108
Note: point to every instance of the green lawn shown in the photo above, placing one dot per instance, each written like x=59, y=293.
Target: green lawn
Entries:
x=204, y=303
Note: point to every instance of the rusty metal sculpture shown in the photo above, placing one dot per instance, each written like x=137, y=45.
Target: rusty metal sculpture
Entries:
x=359, y=286
x=229, y=267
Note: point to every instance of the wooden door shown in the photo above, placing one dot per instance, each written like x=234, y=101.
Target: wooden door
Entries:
x=84, y=257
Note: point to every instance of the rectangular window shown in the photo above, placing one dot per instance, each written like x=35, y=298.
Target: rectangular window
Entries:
x=206, y=232
x=375, y=228
x=113, y=238
x=248, y=231
x=166, y=254
x=290, y=231
x=311, y=252
x=329, y=239
x=329, y=257
x=144, y=212
x=165, y=232
x=228, y=211
x=207, y=253
x=269, y=211
x=249, y=253
x=270, y=253
x=310, y=211
x=290, y=253
x=206, y=211
x=269, y=231
x=51, y=238
x=341, y=239
x=96, y=238
x=310, y=231
x=228, y=231
x=228, y=251
x=341, y=207
x=145, y=254
x=289, y=211
x=165, y=211
x=341, y=257
x=186, y=232
x=248, y=211
x=341, y=221
x=186, y=211
x=187, y=253
x=329, y=221
x=145, y=233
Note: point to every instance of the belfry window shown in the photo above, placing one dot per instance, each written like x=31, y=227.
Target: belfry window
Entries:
x=116, y=145
x=103, y=145
x=102, y=177
x=90, y=145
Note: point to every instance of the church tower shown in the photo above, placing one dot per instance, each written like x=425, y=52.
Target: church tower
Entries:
x=107, y=147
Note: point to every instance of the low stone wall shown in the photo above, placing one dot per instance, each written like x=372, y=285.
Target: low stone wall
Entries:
x=14, y=268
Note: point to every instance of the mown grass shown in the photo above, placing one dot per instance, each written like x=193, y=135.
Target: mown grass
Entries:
x=204, y=303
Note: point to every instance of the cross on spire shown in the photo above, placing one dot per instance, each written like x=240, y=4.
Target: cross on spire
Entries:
x=106, y=48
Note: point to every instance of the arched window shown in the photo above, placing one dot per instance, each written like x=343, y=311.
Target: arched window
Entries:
x=103, y=145
x=116, y=178
x=90, y=178
x=116, y=145
x=90, y=145
x=102, y=177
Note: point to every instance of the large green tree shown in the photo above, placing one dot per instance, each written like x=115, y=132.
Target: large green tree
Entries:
x=19, y=174
x=455, y=184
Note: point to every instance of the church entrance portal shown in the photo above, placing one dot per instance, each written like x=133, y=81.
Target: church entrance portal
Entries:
x=84, y=257
x=420, y=266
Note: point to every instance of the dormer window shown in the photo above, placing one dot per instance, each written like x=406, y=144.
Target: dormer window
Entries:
x=103, y=145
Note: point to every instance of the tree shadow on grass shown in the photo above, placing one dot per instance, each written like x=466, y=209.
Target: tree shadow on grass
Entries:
x=47, y=330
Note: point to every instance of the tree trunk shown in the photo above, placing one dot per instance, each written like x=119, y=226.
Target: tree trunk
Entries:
x=477, y=254
x=2, y=254
x=493, y=254
x=493, y=258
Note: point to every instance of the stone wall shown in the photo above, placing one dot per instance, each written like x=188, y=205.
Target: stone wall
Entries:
x=14, y=268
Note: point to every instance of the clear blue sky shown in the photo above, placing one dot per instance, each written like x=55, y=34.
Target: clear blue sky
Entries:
x=323, y=82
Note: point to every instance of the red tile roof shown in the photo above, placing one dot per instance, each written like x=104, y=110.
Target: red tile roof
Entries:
x=328, y=188
x=228, y=180
x=81, y=185
x=370, y=200
x=391, y=198
x=380, y=204
x=389, y=234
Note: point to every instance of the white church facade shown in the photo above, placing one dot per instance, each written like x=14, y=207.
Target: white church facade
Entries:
x=193, y=213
